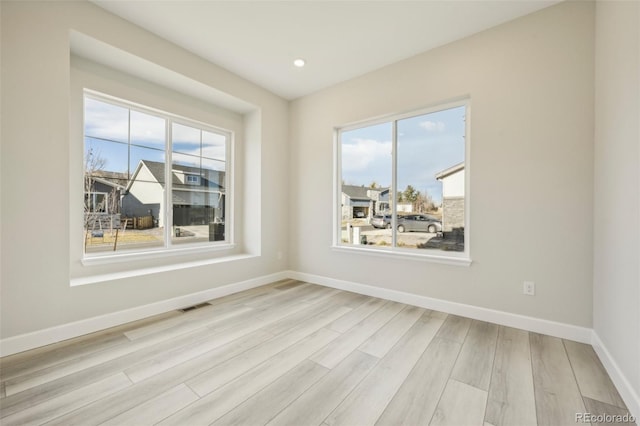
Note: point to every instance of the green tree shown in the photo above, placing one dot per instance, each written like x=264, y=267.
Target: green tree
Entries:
x=410, y=194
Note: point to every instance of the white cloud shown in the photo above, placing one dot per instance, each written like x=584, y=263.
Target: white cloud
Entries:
x=216, y=152
x=433, y=126
x=112, y=122
x=361, y=154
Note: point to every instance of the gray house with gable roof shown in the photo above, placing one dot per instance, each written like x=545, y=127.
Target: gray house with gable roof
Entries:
x=363, y=202
x=197, y=195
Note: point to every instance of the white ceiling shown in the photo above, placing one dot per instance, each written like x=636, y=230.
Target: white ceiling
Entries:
x=259, y=40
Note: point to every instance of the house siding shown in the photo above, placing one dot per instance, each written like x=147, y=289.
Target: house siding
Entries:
x=452, y=213
x=141, y=200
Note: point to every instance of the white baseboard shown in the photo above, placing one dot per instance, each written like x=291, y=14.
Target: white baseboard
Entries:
x=62, y=332
x=537, y=325
x=629, y=395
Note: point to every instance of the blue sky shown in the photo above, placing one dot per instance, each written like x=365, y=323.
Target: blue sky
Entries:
x=427, y=144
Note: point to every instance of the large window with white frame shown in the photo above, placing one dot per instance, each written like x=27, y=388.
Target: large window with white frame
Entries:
x=153, y=181
x=402, y=183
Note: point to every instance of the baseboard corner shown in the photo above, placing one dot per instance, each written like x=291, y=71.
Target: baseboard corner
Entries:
x=630, y=396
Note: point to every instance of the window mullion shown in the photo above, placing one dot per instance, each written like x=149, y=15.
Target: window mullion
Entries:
x=168, y=178
x=394, y=183
x=337, y=185
x=129, y=145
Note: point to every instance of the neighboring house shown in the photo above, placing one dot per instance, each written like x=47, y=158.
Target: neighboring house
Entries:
x=198, y=195
x=452, y=197
x=103, y=196
x=380, y=197
x=102, y=201
x=363, y=202
x=103, y=190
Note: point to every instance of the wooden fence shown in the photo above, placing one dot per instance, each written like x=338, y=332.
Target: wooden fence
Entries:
x=141, y=222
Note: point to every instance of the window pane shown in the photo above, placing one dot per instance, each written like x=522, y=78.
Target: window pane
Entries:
x=186, y=160
x=366, y=182
x=124, y=187
x=214, y=146
x=430, y=179
x=147, y=130
x=214, y=173
x=104, y=156
x=198, y=170
x=198, y=201
x=185, y=139
x=105, y=121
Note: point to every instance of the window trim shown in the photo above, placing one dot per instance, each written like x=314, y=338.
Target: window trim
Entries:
x=155, y=253
x=168, y=248
x=452, y=258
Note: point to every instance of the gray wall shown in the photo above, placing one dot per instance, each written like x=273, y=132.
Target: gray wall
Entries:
x=617, y=187
x=531, y=87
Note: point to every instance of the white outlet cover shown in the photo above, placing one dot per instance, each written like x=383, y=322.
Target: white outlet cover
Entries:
x=529, y=288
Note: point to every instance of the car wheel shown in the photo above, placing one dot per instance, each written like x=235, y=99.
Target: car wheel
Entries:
x=400, y=228
x=388, y=226
x=432, y=229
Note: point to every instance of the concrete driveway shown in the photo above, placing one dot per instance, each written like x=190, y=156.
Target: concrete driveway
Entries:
x=382, y=237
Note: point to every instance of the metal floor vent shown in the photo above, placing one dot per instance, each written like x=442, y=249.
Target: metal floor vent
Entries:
x=191, y=308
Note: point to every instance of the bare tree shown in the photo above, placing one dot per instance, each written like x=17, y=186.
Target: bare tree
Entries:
x=113, y=201
x=99, y=210
x=424, y=202
x=93, y=163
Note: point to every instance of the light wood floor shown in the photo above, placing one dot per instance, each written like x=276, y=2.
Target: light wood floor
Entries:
x=293, y=353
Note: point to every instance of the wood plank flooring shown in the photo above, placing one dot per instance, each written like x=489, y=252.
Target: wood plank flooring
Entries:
x=293, y=353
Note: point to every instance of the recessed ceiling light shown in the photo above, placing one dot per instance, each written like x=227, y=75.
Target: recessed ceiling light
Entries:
x=299, y=63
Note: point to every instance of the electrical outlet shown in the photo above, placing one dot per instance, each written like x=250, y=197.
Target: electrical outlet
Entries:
x=529, y=288
x=279, y=255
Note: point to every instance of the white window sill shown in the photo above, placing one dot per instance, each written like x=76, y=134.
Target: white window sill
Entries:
x=118, y=257
x=461, y=260
x=92, y=279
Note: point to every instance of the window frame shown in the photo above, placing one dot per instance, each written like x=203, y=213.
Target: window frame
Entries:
x=168, y=248
x=445, y=257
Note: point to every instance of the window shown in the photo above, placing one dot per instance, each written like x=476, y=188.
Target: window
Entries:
x=194, y=180
x=96, y=202
x=152, y=180
x=402, y=185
